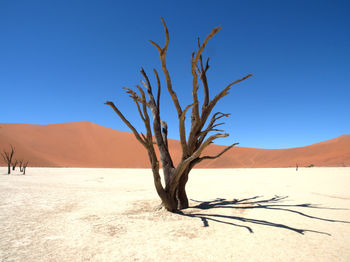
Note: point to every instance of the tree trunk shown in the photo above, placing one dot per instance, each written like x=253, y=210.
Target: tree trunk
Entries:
x=170, y=203
x=181, y=191
x=8, y=169
x=176, y=198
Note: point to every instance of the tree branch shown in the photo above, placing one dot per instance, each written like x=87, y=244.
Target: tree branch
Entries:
x=223, y=93
x=165, y=133
x=146, y=118
x=148, y=87
x=159, y=88
x=183, y=131
x=211, y=127
x=206, y=143
x=161, y=143
x=203, y=77
x=216, y=156
x=194, y=62
x=132, y=128
x=196, y=122
x=162, y=53
x=137, y=100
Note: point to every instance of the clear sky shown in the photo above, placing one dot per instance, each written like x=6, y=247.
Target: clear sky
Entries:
x=61, y=60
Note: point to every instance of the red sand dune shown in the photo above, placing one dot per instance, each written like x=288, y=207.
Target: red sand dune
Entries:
x=85, y=144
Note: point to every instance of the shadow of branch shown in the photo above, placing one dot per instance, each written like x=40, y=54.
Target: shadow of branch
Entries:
x=256, y=202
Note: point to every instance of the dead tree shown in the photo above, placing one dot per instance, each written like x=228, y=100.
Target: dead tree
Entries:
x=7, y=156
x=14, y=165
x=173, y=195
x=24, y=167
x=20, y=165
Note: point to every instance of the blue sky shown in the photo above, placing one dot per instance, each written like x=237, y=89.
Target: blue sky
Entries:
x=61, y=60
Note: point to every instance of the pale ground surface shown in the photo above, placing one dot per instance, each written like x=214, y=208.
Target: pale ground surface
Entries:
x=61, y=214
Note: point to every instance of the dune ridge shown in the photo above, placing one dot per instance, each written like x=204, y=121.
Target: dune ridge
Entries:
x=85, y=144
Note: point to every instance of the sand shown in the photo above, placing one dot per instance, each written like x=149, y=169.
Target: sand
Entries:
x=72, y=214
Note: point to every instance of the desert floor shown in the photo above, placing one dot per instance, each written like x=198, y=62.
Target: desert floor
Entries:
x=76, y=214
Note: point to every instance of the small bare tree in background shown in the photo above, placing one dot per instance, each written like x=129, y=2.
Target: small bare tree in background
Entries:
x=7, y=156
x=20, y=165
x=173, y=195
x=25, y=167
x=14, y=165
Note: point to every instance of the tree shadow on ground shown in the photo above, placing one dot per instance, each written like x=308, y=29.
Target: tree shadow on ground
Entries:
x=256, y=202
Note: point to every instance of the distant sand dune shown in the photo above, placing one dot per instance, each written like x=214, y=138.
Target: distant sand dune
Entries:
x=85, y=144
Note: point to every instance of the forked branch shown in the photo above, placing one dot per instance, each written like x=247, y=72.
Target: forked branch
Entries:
x=206, y=143
x=162, y=54
x=195, y=109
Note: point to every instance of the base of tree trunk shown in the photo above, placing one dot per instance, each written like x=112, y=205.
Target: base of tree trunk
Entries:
x=181, y=191
x=182, y=199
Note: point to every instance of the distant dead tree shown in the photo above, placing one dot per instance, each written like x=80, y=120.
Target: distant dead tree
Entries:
x=14, y=165
x=24, y=167
x=173, y=195
x=20, y=165
x=7, y=156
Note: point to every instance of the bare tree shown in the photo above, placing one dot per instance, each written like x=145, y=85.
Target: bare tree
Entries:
x=7, y=156
x=14, y=165
x=173, y=195
x=24, y=167
x=20, y=165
